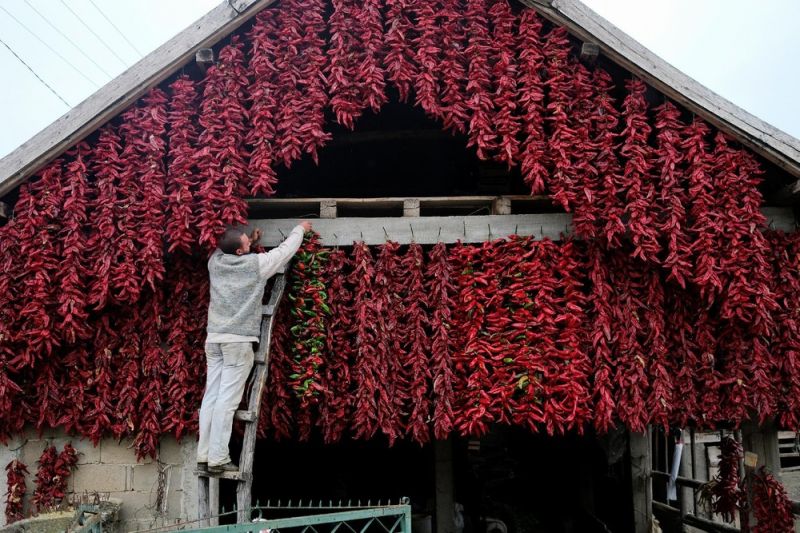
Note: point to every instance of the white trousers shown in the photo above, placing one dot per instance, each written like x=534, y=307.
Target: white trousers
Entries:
x=228, y=365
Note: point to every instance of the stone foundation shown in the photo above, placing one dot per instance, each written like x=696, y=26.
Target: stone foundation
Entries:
x=153, y=493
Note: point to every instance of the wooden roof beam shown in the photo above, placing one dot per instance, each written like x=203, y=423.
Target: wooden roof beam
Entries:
x=111, y=99
x=773, y=144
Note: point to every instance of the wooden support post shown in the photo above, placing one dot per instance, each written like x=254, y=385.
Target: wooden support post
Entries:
x=641, y=480
x=327, y=209
x=445, y=503
x=411, y=207
x=589, y=53
x=203, y=503
x=501, y=206
x=204, y=58
x=686, y=493
x=213, y=489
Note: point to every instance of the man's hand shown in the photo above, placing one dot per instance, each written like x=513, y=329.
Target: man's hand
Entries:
x=306, y=225
x=255, y=236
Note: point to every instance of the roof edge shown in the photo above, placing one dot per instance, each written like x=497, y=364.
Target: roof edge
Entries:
x=766, y=140
x=122, y=91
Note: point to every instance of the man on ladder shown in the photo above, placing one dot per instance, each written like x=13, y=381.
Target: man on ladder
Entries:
x=237, y=280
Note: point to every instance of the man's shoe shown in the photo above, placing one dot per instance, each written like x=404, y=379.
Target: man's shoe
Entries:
x=227, y=467
x=202, y=467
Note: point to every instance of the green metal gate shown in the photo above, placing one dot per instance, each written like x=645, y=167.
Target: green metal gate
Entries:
x=331, y=518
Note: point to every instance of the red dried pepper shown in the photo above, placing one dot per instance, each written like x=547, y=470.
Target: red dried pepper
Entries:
x=482, y=134
x=725, y=490
x=505, y=72
x=335, y=407
x=533, y=156
x=15, y=495
x=453, y=66
x=43, y=497
x=429, y=55
x=399, y=60
x=181, y=182
x=772, y=508
x=600, y=325
x=412, y=327
x=148, y=409
x=440, y=287
x=221, y=159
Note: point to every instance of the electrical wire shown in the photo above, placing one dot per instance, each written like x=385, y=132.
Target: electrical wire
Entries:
x=64, y=59
x=115, y=27
x=84, y=54
x=34, y=73
x=94, y=33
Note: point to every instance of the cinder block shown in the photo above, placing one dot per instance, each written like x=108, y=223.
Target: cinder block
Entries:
x=88, y=453
x=135, y=506
x=100, y=478
x=169, y=451
x=175, y=503
x=145, y=477
x=119, y=453
x=31, y=452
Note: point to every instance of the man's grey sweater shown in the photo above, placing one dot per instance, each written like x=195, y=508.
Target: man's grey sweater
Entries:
x=237, y=289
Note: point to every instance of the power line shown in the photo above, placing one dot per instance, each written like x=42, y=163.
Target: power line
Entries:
x=93, y=33
x=68, y=39
x=64, y=59
x=34, y=73
x=115, y=27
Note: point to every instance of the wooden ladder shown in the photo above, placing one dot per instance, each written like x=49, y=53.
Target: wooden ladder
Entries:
x=208, y=485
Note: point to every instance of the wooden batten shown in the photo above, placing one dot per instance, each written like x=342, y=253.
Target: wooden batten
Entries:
x=589, y=53
x=204, y=59
x=5, y=211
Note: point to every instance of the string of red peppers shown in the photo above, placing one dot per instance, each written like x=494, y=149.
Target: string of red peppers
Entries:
x=15, y=494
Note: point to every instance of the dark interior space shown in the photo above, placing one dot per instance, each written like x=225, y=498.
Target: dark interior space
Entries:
x=531, y=483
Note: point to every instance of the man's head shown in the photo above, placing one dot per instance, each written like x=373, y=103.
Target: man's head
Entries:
x=235, y=241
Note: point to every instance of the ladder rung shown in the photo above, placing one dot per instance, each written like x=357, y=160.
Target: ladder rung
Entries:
x=268, y=310
x=235, y=476
x=260, y=358
x=244, y=416
x=281, y=270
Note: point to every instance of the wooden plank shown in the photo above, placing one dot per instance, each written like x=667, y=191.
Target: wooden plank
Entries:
x=411, y=207
x=430, y=230
x=423, y=230
x=122, y=91
x=641, y=480
x=773, y=144
x=327, y=209
x=695, y=521
x=203, y=501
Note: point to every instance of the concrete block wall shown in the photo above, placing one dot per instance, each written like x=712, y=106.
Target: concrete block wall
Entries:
x=111, y=468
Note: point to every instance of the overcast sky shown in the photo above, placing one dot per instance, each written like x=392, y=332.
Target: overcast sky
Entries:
x=744, y=50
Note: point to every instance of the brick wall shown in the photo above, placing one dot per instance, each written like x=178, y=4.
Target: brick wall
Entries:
x=111, y=468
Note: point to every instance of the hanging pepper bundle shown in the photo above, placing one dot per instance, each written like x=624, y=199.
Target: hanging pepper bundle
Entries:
x=335, y=407
x=601, y=325
x=221, y=160
x=482, y=135
x=683, y=353
x=104, y=216
x=127, y=370
x=660, y=401
x=280, y=400
x=39, y=246
x=43, y=497
x=772, y=508
x=365, y=338
x=640, y=194
x=99, y=412
x=177, y=400
x=441, y=290
x=15, y=495
x=412, y=328
x=64, y=464
x=428, y=46
x=586, y=219
x=370, y=28
x=605, y=121
x=72, y=297
x=152, y=370
x=180, y=181
x=725, y=490
x=453, y=66
x=387, y=309
x=533, y=153
x=786, y=344
x=399, y=60
x=310, y=310
x=504, y=73
x=562, y=142
x=673, y=195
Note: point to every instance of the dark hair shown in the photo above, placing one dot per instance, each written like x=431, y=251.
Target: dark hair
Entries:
x=231, y=240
